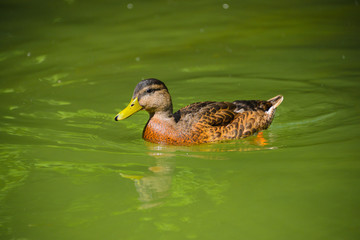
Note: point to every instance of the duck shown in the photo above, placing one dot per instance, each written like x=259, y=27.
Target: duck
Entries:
x=200, y=122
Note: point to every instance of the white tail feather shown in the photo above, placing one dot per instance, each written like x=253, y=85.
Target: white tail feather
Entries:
x=275, y=101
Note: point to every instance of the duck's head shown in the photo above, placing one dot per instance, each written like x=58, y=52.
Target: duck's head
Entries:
x=151, y=95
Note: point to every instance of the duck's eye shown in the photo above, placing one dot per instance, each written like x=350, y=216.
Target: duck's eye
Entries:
x=150, y=90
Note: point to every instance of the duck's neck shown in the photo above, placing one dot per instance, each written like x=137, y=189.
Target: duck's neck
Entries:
x=162, y=114
x=160, y=127
x=162, y=117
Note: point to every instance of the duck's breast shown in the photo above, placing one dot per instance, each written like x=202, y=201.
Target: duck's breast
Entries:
x=164, y=131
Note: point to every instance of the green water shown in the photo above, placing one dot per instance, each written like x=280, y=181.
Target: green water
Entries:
x=69, y=171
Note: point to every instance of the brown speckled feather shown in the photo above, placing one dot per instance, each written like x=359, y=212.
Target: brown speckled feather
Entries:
x=204, y=122
x=215, y=121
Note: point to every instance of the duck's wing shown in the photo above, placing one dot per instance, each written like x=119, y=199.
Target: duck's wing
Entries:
x=224, y=113
x=256, y=112
x=218, y=114
x=207, y=113
x=268, y=106
x=251, y=105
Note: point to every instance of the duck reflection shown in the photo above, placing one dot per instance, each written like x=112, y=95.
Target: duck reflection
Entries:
x=155, y=185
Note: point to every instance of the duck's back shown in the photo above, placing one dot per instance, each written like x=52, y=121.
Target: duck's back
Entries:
x=216, y=121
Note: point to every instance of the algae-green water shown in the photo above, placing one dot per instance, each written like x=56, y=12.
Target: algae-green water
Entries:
x=69, y=171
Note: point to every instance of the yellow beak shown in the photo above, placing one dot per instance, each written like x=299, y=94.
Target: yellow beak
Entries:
x=132, y=108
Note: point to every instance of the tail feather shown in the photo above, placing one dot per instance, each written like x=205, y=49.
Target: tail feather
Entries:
x=276, y=101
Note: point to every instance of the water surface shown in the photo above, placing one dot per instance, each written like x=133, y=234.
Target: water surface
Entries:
x=68, y=171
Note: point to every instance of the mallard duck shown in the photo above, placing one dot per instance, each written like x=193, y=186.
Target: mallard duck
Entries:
x=200, y=122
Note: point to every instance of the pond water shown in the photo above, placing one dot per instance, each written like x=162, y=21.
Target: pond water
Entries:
x=69, y=171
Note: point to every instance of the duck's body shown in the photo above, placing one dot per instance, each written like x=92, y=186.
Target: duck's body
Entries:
x=200, y=122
